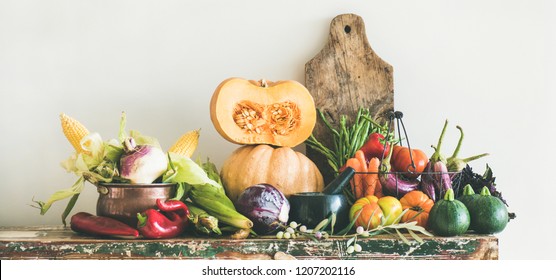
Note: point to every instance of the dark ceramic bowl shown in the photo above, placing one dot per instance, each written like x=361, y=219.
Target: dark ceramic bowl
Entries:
x=310, y=208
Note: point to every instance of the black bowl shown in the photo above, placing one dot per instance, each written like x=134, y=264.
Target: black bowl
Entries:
x=310, y=208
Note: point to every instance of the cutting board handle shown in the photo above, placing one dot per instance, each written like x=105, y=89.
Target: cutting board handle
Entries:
x=350, y=30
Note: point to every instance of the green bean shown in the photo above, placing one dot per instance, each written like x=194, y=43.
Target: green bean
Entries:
x=327, y=123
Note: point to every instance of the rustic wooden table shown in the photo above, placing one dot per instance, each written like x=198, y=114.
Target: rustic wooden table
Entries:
x=56, y=242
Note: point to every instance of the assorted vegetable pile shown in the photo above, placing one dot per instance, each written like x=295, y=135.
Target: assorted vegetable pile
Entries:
x=390, y=186
x=428, y=187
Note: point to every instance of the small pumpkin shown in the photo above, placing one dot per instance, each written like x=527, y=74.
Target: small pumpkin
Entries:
x=276, y=113
x=488, y=213
x=418, y=206
x=287, y=170
x=370, y=211
x=449, y=217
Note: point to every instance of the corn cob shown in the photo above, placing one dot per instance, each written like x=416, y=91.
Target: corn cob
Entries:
x=204, y=223
x=187, y=144
x=219, y=206
x=74, y=131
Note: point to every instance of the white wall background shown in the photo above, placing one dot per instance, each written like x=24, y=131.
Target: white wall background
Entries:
x=488, y=66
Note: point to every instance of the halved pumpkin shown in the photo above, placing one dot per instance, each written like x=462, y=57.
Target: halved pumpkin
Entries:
x=276, y=113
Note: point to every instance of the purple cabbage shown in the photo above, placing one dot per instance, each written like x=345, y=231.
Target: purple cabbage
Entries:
x=265, y=205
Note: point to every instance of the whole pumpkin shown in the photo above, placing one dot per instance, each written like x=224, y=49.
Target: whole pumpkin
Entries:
x=419, y=205
x=276, y=113
x=287, y=170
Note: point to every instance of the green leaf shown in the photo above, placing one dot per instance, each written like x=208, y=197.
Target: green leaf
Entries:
x=382, y=220
x=399, y=218
x=332, y=222
x=351, y=240
x=188, y=171
x=69, y=207
x=61, y=194
x=403, y=238
x=321, y=225
x=350, y=226
x=212, y=171
x=112, y=152
x=141, y=139
x=180, y=191
x=415, y=236
x=122, y=135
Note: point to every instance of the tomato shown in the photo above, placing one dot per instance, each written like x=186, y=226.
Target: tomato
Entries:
x=401, y=161
x=418, y=206
x=370, y=211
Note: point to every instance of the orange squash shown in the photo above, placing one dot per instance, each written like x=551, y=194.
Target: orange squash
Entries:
x=367, y=211
x=276, y=113
x=372, y=211
x=419, y=205
x=282, y=167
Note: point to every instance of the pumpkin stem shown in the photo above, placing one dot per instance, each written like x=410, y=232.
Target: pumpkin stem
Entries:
x=449, y=195
x=417, y=209
x=485, y=191
x=468, y=190
x=263, y=83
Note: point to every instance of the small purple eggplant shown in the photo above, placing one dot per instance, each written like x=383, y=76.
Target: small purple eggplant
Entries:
x=442, y=180
x=393, y=184
x=427, y=182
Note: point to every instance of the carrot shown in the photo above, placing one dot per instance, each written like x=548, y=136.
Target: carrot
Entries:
x=372, y=178
x=360, y=156
x=356, y=184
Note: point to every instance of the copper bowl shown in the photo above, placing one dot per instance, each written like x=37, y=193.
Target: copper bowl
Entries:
x=123, y=201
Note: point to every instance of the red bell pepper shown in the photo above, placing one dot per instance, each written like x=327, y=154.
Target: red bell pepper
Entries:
x=170, y=220
x=102, y=226
x=374, y=147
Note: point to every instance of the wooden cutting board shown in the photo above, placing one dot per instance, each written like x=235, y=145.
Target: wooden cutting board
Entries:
x=344, y=76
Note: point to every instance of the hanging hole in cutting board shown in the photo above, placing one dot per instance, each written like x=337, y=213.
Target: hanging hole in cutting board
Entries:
x=347, y=29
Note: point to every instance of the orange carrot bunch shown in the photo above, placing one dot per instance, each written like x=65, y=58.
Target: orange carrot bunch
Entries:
x=365, y=181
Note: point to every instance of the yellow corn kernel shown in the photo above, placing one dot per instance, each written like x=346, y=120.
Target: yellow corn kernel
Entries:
x=187, y=143
x=74, y=131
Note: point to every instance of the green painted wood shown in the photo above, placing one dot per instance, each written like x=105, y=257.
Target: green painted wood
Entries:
x=62, y=243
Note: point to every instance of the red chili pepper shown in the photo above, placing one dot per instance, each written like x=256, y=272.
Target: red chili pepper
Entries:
x=103, y=226
x=169, y=221
x=374, y=147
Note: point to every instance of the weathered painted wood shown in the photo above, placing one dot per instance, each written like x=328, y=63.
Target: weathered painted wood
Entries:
x=344, y=76
x=62, y=243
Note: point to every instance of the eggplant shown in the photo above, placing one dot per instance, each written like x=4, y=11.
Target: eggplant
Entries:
x=437, y=170
x=442, y=177
x=395, y=185
x=427, y=182
x=436, y=180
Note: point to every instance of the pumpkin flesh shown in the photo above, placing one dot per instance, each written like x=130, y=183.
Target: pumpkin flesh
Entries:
x=276, y=113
